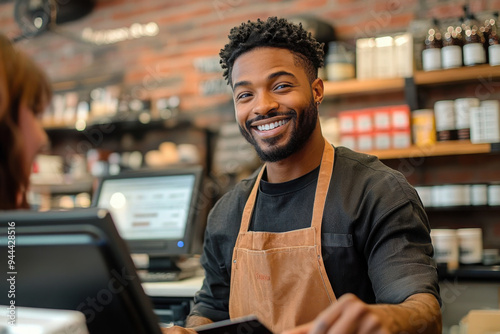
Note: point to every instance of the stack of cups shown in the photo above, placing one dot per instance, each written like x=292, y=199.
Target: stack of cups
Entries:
x=444, y=113
x=462, y=115
x=445, y=242
x=470, y=241
x=464, y=245
x=494, y=194
x=479, y=194
x=450, y=195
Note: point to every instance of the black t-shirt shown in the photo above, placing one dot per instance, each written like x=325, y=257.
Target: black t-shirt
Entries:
x=375, y=232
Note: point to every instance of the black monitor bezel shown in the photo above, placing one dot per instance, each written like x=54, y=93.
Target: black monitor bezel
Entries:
x=98, y=224
x=150, y=246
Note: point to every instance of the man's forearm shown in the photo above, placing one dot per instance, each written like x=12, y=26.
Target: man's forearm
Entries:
x=419, y=313
x=194, y=321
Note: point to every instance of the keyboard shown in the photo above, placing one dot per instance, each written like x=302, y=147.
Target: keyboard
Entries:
x=163, y=276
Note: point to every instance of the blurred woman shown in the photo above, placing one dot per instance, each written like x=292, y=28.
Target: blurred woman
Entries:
x=25, y=92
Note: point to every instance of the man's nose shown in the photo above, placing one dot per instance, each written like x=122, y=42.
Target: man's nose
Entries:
x=264, y=103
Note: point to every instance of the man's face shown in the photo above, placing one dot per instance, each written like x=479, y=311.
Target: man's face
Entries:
x=274, y=102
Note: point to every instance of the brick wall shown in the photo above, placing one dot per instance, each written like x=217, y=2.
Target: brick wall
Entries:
x=164, y=65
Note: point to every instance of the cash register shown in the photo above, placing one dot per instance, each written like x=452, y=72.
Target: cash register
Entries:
x=157, y=213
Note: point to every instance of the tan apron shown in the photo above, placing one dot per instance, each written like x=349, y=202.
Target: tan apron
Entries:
x=280, y=277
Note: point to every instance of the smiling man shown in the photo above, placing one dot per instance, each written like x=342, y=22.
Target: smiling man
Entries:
x=320, y=237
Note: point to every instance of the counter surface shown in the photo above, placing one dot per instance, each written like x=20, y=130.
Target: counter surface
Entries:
x=183, y=288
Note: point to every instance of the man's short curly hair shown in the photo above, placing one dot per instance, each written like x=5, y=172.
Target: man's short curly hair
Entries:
x=274, y=32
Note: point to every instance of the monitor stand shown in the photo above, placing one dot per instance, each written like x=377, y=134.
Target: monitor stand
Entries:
x=165, y=269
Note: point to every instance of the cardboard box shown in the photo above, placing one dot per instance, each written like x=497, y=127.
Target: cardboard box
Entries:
x=364, y=142
x=485, y=122
x=382, y=140
x=385, y=61
x=365, y=58
x=363, y=121
x=348, y=141
x=401, y=139
x=381, y=119
x=400, y=116
x=347, y=122
x=480, y=322
x=404, y=55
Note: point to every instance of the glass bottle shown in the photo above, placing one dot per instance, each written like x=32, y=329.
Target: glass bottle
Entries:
x=451, y=53
x=340, y=64
x=486, y=30
x=494, y=42
x=431, y=54
x=473, y=49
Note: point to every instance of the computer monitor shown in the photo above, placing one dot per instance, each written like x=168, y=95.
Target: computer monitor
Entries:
x=156, y=212
x=73, y=260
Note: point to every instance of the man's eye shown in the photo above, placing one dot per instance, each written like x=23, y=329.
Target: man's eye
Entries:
x=282, y=86
x=242, y=96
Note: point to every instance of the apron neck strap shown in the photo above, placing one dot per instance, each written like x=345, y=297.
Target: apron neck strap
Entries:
x=247, y=212
x=324, y=178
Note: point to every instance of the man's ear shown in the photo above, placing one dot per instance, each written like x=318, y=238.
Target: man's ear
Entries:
x=317, y=90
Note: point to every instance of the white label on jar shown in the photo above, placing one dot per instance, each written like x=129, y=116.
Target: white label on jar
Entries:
x=340, y=71
x=474, y=54
x=444, y=113
x=462, y=118
x=462, y=111
x=494, y=53
x=451, y=56
x=431, y=59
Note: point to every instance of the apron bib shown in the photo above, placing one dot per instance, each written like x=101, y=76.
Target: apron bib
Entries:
x=280, y=277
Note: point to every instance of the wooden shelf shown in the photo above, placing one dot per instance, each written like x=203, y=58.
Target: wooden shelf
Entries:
x=481, y=73
x=63, y=187
x=439, y=149
x=469, y=73
x=354, y=86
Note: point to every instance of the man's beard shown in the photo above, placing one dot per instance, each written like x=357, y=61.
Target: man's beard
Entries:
x=298, y=138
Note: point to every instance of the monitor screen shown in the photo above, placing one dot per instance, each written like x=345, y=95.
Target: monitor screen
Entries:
x=74, y=260
x=155, y=211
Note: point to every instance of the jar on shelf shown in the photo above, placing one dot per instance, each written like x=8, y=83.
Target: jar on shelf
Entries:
x=473, y=49
x=451, y=53
x=470, y=244
x=431, y=54
x=462, y=115
x=340, y=62
x=494, y=41
x=444, y=114
x=423, y=127
x=445, y=243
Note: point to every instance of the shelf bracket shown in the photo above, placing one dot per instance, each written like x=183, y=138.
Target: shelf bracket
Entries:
x=411, y=94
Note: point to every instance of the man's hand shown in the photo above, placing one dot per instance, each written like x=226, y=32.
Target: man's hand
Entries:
x=348, y=315
x=419, y=313
x=191, y=321
x=178, y=330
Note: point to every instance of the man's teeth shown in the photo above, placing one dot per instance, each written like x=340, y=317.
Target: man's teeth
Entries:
x=271, y=126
